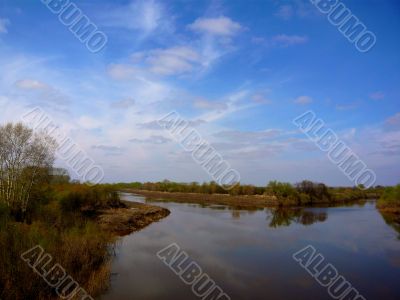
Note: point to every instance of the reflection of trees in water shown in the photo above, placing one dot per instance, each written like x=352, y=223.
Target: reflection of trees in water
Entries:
x=237, y=213
x=286, y=216
x=393, y=220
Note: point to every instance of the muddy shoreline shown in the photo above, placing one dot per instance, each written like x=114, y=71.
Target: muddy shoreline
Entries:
x=136, y=216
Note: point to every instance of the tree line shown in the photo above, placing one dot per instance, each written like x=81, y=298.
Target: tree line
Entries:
x=304, y=192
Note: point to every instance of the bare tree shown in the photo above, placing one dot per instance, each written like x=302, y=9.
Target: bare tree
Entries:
x=25, y=156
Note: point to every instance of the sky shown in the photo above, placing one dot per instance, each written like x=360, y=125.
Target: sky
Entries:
x=240, y=71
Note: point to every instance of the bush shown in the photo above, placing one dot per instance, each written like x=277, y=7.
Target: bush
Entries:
x=82, y=198
x=285, y=193
x=390, y=198
x=315, y=192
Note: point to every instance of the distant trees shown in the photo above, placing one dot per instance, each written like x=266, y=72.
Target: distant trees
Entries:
x=315, y=191
x=304, y=192
x=59, y=176
x=25, y=160
x=281, y=190
x=193, y=187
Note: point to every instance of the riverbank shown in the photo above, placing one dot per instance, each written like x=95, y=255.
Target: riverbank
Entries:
x=249, y=241
x=238, y=202
x=77, y=225
x=391, y=217
x=389, y=206
x=136, y=216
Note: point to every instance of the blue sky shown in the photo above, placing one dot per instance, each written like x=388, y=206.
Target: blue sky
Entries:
x=246, y=69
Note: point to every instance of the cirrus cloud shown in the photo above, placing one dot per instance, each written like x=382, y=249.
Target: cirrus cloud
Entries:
x=31, y=84
x=394, y=120
x=284, y=40
x=173, y=61
x=303, y=100
x=210, y=105
x=377, y=96
x=221, y=26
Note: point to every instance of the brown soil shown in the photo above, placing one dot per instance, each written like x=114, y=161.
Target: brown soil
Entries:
x=123, y=221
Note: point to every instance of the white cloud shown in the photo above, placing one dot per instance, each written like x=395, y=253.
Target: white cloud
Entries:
x=348, y=106
x=394, y=120
x=123, y=104
x=213, y=105
x=303, y=100
x=298, y=8
x=248, y=136
x=166, y=62
x=173, y=61
x=377, y=96
x=108, y=150
x=146, y=16
x=31, y=84
x=154, y=139
x=88, y=122
x=233, y=101
x=260, y=99
x=285, y=12
x=121, y=71
x=3, y=25
x=42, y=92
x=283, y=40
x=221, y=26
x=154, y=125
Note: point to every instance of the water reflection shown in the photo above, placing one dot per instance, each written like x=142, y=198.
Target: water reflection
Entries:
x=250, y=260
x=286, y=216
x=392, y=220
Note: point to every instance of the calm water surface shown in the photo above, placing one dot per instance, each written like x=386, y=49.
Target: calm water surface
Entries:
x=249, y=253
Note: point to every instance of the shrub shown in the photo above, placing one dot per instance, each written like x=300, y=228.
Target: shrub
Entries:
x=316, y=192
x=87, y=199
x=284, y=192
x=390, y=198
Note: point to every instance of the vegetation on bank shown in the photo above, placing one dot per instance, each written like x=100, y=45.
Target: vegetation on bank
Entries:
x=389, y=206
x=390, y=199
x=275, y=193
x=68, y=231
x=74, y=223
x=39, y=208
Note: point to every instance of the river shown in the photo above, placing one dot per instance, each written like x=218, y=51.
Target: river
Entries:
x=249, y=253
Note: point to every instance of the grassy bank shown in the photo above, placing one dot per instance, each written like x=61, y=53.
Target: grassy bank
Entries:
x=78, y=226
x=389, y=206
